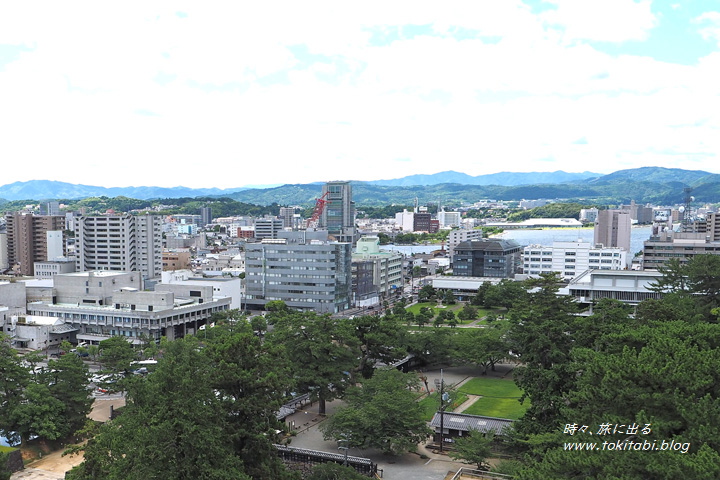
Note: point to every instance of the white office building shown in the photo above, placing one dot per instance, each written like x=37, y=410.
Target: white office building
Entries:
x=570, y=259
x=449, y=219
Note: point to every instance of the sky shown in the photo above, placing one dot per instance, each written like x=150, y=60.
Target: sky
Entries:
x=228, y=94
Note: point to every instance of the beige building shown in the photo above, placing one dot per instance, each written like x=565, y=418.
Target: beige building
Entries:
x=176, y=260
x=663, y=246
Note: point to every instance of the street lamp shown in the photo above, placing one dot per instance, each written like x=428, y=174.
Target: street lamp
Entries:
x=440, y=387
x=344, y=439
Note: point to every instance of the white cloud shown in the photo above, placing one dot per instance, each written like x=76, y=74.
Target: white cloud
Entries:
x=482, y=87
x=602, y=20
x=710, y=26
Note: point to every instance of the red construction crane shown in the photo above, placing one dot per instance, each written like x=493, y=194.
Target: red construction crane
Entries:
x=319, y=207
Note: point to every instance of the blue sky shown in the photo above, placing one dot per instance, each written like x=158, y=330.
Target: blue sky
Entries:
x=227, y=94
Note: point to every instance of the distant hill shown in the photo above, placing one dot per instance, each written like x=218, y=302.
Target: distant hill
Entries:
x=503, y=178
x=658, y=185
x=48, y=189
x=654, y=175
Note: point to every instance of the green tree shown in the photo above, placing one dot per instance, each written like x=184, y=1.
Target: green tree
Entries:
x=505, y=294
x=424, y=316
x=448, y=297
x=39, y=414
x=446, y=316
x=321, y=350
x=67, y=379
x=381, y=413
x=481, y=346
x=426, y=293
x=13, y=380
x=431, y=347
x=378, y=338
x=468, y=312
x=171, y=427
x=259, y=325
x=250, y=377
x=541, y=335
x=474, y=449
x=116, y=355
x=5, y=474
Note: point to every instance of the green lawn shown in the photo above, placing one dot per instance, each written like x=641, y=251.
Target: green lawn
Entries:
x=500, y=398
x=498, y=407
x=433, y=306
x=431, y=404
x=415, y=309
x=6, y=449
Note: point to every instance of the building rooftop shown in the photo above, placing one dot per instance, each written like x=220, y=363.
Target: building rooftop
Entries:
x=465, y=422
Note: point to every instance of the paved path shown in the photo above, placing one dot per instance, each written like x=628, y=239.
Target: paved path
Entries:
x=407, y=466
x=53, y=466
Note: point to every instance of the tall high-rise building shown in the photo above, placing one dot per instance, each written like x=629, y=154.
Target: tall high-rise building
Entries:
x=119, y=242
x=613, y=228
x=338, y=216
x=27, y=239
x=205, y=216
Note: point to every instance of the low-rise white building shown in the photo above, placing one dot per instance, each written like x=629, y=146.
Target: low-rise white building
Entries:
x=570, y=259
x=222, y=286
x=54, y=267
x=36, y=332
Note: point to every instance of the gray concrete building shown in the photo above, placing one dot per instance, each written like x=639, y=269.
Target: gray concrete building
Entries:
x=268, y=227
x=302, y=269
x=387, y=266
x=101, y=304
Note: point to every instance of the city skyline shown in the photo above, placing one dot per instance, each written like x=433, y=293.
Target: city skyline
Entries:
x=233, y=94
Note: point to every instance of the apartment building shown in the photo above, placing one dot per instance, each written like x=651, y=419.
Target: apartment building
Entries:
x=124, y=243
x=27, y=239
x=612, y=229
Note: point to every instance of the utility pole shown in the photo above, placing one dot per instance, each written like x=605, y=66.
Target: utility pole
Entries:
x=440, y=386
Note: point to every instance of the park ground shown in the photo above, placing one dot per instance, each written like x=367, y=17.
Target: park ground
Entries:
x=424, y=464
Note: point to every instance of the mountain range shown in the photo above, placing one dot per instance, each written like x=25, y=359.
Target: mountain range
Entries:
x=647, y=184
x=48, y=189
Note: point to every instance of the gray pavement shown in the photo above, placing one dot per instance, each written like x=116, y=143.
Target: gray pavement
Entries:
x=407, y=466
